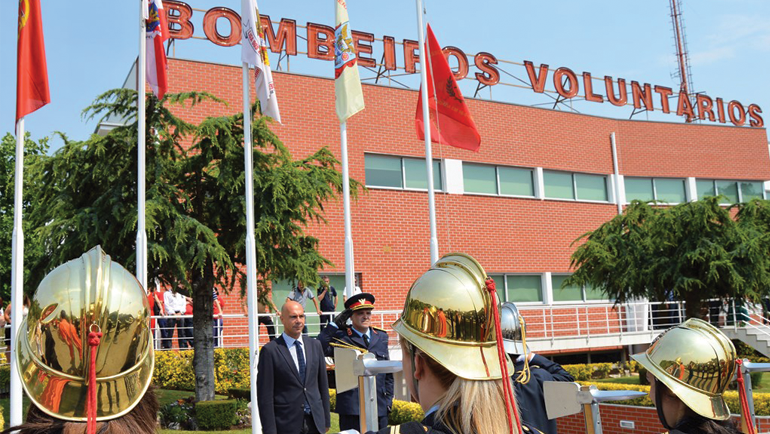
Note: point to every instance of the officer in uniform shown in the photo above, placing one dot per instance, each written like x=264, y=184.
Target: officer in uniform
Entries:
x=452, y=355
x=85, y=351
x=689, y=367
x=531, y=370
x=362, y=336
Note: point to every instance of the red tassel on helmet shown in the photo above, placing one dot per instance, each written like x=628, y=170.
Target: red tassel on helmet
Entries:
x=93, y=342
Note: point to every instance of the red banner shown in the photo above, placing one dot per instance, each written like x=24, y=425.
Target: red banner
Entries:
x=31, y=70
x=450, y=120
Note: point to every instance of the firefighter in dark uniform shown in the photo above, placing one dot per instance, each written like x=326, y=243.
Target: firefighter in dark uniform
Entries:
x=365, y=338
x=531, y=370
x=454, y=364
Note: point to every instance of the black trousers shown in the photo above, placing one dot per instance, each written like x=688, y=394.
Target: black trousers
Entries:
x=308, y=425
x=268, y=322
x=348, y=421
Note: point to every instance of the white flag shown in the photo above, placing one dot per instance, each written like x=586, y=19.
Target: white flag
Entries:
x=254, y=52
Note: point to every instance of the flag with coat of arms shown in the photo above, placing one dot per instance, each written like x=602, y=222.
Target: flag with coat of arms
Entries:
x=157, y=34
x=254, y=52
x=347, y=85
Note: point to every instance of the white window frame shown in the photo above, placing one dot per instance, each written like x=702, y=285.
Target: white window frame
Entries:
x=607, y=187
x=655, y=188
x=738, y=183
x=401, y=159
x=533, y=172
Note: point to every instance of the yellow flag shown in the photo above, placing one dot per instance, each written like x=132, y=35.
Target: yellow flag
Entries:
x=347, y=86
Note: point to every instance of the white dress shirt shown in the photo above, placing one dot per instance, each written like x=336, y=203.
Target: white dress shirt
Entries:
x=173, y=302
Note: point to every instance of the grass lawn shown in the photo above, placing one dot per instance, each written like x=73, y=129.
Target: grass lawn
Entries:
x=165, y=397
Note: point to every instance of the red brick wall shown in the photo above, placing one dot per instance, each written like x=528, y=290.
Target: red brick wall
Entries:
x=645, y=421
x=390, y=228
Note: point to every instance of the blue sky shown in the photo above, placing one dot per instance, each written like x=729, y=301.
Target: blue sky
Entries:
x=90, y=50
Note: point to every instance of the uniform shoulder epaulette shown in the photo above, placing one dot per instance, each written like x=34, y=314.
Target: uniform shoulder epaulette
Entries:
x=528, y=429
x=379, y=329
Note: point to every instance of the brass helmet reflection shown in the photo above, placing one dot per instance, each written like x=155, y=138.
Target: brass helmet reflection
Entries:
x=513, y=328
x=696, y=362
x=448, y=315
x=85, y=294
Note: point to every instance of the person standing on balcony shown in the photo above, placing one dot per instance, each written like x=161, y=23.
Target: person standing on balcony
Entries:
x=175, y=305
x=328, y=297
x=370, y=339
x=217, y=317
x=301, y=294
x=530, y=370
x=689, y=367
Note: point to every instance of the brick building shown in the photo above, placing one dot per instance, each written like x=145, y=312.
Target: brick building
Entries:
x=541, y=179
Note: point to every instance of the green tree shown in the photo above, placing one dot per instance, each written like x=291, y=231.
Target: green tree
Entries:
x=33, y=151
x=690, y=252
x=195, y=212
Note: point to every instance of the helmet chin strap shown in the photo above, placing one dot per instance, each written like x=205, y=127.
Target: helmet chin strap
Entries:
x=659, y=404
x=415, y=384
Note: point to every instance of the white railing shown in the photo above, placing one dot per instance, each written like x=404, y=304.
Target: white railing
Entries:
x=544, y=323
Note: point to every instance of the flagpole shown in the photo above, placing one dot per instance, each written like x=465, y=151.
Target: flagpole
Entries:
x=349, y=263
x=251, y=255
x=426, y=125
x=17, y=275
x=141, y=70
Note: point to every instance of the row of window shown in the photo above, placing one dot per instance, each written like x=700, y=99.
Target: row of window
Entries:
x=528, y=288
x=410, y=173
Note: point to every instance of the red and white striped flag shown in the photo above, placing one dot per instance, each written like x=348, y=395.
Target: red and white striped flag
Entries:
x=157, y=33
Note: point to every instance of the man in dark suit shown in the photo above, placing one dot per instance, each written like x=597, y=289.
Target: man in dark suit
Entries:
x=531, y=371
x=360, y=334
x=292, y=387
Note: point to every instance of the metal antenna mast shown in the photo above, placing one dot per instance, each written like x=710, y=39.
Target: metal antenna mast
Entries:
x=684, y=74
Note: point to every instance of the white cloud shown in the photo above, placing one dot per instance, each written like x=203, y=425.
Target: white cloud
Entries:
x=711, y=56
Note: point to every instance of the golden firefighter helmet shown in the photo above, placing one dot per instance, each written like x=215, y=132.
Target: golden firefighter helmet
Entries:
x=696, y=362
x=448, y=315
x=90, y=293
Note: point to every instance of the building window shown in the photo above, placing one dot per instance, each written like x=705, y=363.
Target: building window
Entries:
x=502, y=180
x=519, y=288
x=670, y=190
x=573, y=293
x=400, y=172
x=733, y=191
x=575, y=186
x=524, y=288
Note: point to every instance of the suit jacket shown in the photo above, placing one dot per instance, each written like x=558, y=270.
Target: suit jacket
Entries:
x=347, y=402
x=281, y=392
x=530, y=396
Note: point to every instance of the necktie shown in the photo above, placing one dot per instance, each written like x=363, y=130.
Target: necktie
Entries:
x=366, y=340
x=302, y=369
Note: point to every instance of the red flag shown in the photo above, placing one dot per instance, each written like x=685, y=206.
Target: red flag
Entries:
x=31, y=70
x=157, y=34
x=450, y=120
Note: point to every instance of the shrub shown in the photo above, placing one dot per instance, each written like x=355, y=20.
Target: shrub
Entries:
x=403, y=412
x=332, y=399
x=633, y=366
x=756, y=379
x=643, y=376
x=177, y=415
x=216, y=415
x=174, y=370
x=240, y=393
x=2, y=419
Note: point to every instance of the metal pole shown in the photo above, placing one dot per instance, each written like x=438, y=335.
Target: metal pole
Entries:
x=141, y=235
x=426, y=124
x=367, y=400
x=350, y=268
x=17, y=275
x=749, y=395
x=617, y=173
x=251, y=254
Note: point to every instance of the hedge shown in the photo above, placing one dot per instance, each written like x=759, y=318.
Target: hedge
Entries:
x=761, y=400
x=215, y=415
x=588, y=371
x=404, y=412
x=174, y=369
